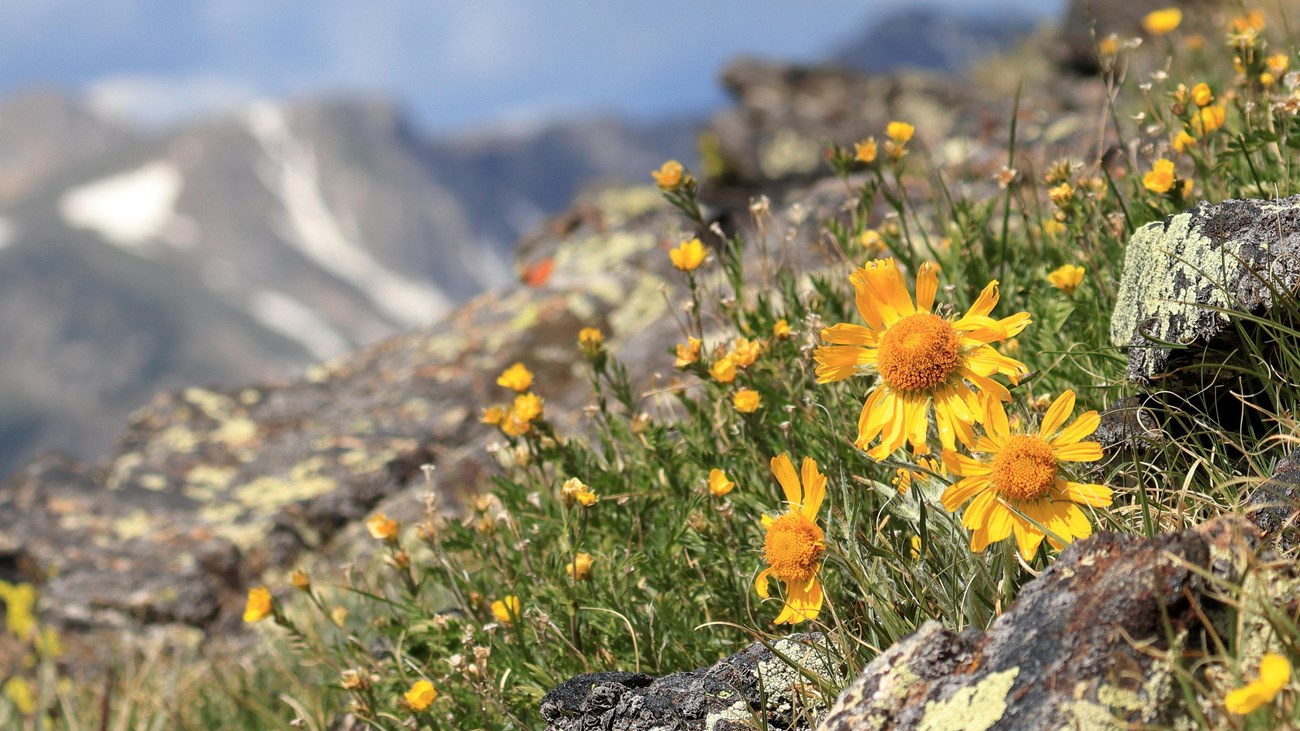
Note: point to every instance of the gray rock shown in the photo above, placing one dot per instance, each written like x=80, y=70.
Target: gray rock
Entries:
x=1184, y=276
x=729, y=696
x=1274, y=507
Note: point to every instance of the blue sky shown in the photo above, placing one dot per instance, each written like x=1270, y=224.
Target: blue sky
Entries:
x=457, y=64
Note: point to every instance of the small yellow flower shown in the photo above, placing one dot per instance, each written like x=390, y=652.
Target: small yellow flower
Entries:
x=688, y=256
x=747, y=401
x=421, y=695
x=871, y=240
x=580, y=569
x=719, y=485
x=723, y=370
x=1061, y=194
x=301, y=580
x=517, y=378
x=794, y=544
x=1274, y=674
x=506, y=610
x=1161, y=178
x=904, y=477
x=527, y=406
x=1160, y=22
x=19, y=600
x=1194, y=42
x=688, y=352
x=1066, y=278
x=1267, y=79
x=1252, y=22
x=781, y=329
x=1202, y=95
x=1278, y=63
x=900, y=132
x=494, y=415
x=1209, y=119
x=576, y=491
x=1183, y=141
x=669, y=175
x=1053, y=227
x=1108, y=47
x=744, y=352
x=865, y=151
x=590, y=340
x=352, y=680
x=339, y=616
x=259, y=606
x=382, y=527
x=20, y=694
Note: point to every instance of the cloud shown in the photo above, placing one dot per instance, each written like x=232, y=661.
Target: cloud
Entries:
x=161, y=100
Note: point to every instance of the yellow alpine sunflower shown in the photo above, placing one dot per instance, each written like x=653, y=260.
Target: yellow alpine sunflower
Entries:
x=918, y=358
x=794, y=544
x=1021, y=488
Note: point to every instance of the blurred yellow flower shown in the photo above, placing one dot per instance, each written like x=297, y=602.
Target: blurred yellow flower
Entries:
x=1066, y=277
x=747, y=401
x=421, y=695
x=744, y=352
x=19, y=600
x=1252, y=22
x=576, y=491
x=1274, y=674
x=506, y=610
x=689, y=352
x=517, y=378
x=580, y=569
x=382, y=527
x=904, y=477
x=688, y=256
x=1183, y=141
x=865, y=151
x=669, y=175
x=918, y=359
x=719, y=485
x=494, y=415
x=259, y=605
x=1160, y=22
x=527, y=406
x=1267, y=79
x=1021, y=480
x=1202, y=95
x=1053, y=227
x=1278, y=63
x=781, y=329
x=1061, y=194
x=723, y=370
x=900, y=132
x=1161, y=178
x=1108, y=47
x=301, y=580
x=20, y=694
x=872, y=241
x=794, y=543
x=1210, y=118
x=916, y=547
x=590, y=340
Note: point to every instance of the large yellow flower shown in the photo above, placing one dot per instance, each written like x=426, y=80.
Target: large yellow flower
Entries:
x=918, y=358
x=794, y=545
x=1021, y=489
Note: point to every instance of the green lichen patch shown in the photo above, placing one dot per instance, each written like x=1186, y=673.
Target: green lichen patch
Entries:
x=977, y=708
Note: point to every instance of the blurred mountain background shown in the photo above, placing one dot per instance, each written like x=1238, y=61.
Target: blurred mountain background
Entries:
x=227, y=193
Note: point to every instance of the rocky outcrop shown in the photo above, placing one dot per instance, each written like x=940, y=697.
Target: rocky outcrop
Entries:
x=1085, y=646
x=758, y=682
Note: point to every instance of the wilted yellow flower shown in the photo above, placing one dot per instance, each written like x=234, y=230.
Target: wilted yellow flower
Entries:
x=723, y=370
x=1022, y=477
x=580, y=569
x=1160, y=22
x=689, y=352
x=865, y=151
x=916, y=547
x=1066, y=278
x=1161, y=178
x=1061, y=194
x=794, y=543
x=744, y=352
x=517, y=378
x=421, y=695
x=352, y=680
x=900, y=132
x=506, y=610
x=1183, y=141
x=918, y=359
x=747, y=401
x=20, y=694
x=576, y=491
x=781, y=329
x=590, y=340
x=1278, y=63
x=1274, y=674
x=1202, y=95
x=382, y=527
x=301, y=580
x=688, y=256
x=259, y=605
x=719, y=485
x=669, y=175
x=1252, y=22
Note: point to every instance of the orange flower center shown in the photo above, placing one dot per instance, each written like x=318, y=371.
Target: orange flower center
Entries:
x=793, y=547
x=918, y=353
x=1025, y=469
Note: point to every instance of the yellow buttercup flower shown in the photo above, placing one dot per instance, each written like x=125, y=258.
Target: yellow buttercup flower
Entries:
x=794, y=543
x=590, y=340
x=301, y=580
x=1267, y=79
x=669, y=175
x=781, y=329
x=719, y=485
x=580, y=569
x=723, y=370
x=865, y=151
x=689, y=352
x=688, y=256
x=744, y=352
x=747, y=401
x=918, y=359
x=900, y=132
x=517, y=378
x=1278, y=63
x=1160, y=22
x=1202, y=95
x=1061, y=194
x=421, y=695
x=1274, y=674
x=494, y=415
x=1252, y=22
x=1053, y=227
x=1066, y=278
x=1022, y=480
x=506, y=610
x=259, y=605
x=872, y=241
x=1210, y=118
x=1161, y=178
x=382, y=527
x=20, y=694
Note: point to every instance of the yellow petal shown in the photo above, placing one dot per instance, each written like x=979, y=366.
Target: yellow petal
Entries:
x=927, y=283
x=1274, y=670
x=1246, y=700
x=977, y=513
x=1080, y=452
x=814, y=488
x=998, y=521
x=761, y=582
x=1028, y=537
x=985, y=303
x=995, y=425
x=784, y=471
x=876, y=410
x=1083, y=426
x=838, y=362
x=965, y=466
x=846, y=333
x=917, y=423
x=1097, y=496
x=1056, y=414
x=960, y=492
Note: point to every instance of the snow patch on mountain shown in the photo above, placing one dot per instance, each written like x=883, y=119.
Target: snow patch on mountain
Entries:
x=130, y=209
x=314, y=230
x=296, y=321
